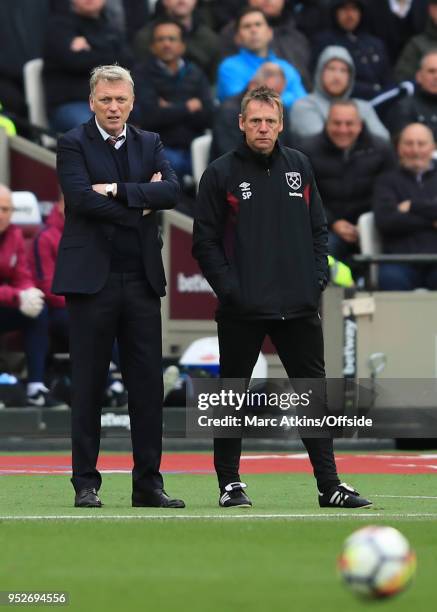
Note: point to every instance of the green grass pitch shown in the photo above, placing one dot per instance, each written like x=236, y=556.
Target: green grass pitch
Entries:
x=279, y=556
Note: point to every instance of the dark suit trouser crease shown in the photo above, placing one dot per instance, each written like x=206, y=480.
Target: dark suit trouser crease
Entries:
x=299, y=344
x=127, y=309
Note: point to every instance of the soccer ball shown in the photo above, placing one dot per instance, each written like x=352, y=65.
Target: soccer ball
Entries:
x=377, y=562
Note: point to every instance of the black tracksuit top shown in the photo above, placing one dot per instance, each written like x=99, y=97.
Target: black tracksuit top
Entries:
x=260, y=234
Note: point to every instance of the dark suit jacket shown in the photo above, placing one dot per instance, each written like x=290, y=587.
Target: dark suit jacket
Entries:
x=83, y=159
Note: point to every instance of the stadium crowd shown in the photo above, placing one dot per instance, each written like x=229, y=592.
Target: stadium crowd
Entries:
x=358, y=79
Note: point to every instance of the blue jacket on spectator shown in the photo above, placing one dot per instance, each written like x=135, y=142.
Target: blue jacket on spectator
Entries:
x=235, y=72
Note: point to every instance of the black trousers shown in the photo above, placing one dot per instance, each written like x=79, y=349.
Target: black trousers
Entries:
x=126, y=309
x=299, y=344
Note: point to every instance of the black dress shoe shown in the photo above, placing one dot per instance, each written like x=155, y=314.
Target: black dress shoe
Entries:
x=87, y=498
x=155, y=499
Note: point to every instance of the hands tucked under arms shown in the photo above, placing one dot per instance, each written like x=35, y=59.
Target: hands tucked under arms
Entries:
x=100, y=188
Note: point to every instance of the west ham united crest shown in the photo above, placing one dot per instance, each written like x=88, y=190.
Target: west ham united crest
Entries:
x=294, y=180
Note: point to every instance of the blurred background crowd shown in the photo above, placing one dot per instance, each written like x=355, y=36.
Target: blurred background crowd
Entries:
x=358, y=79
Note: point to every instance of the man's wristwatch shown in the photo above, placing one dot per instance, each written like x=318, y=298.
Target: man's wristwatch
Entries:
x=111, y=190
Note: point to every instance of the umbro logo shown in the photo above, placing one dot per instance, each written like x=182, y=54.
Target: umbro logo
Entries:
x=245, y=190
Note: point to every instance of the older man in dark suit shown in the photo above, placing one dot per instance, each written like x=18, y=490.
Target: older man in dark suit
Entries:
x=114, y=178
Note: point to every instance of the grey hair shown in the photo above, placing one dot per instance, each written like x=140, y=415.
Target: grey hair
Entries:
x=109, y=73
x=266, y=96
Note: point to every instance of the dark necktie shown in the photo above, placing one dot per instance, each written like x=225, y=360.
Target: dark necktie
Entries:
x=112, y=140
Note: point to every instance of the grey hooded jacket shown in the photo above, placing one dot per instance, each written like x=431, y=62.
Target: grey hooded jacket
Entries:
x=308, y=115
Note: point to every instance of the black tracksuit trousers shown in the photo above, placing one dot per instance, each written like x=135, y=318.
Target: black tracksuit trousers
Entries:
x=299, y=344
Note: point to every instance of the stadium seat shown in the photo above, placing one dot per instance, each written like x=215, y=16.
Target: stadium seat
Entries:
x=370, y=242
x=35, y=98
x=34, y=92
x=200, y=156
x=26, y=209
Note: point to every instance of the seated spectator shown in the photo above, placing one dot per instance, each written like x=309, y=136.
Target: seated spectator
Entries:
x=22, y=304
x=421, y=107
x=172, y=95
x=22, y=30
x=75, y=43
x=334, y=80
x=310, y=15
x=287, y=43
x=127, y=15
x=226, y=133
x=372, y=67
x=42, y=264
x=409, y=61
x=405, y=206
x=254, y=36
x=202, y=43
x=346, y=159
x=395, y=22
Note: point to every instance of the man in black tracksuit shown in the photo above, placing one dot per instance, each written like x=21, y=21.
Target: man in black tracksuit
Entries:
x=260, y=238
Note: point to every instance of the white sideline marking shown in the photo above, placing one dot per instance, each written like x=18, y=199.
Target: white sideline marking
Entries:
x=415, y=465
x=56, y=472
x=405, y=496
x=303, y=455
x=248, y=516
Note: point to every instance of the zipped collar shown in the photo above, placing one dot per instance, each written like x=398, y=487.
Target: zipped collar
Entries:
x=244, y=151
